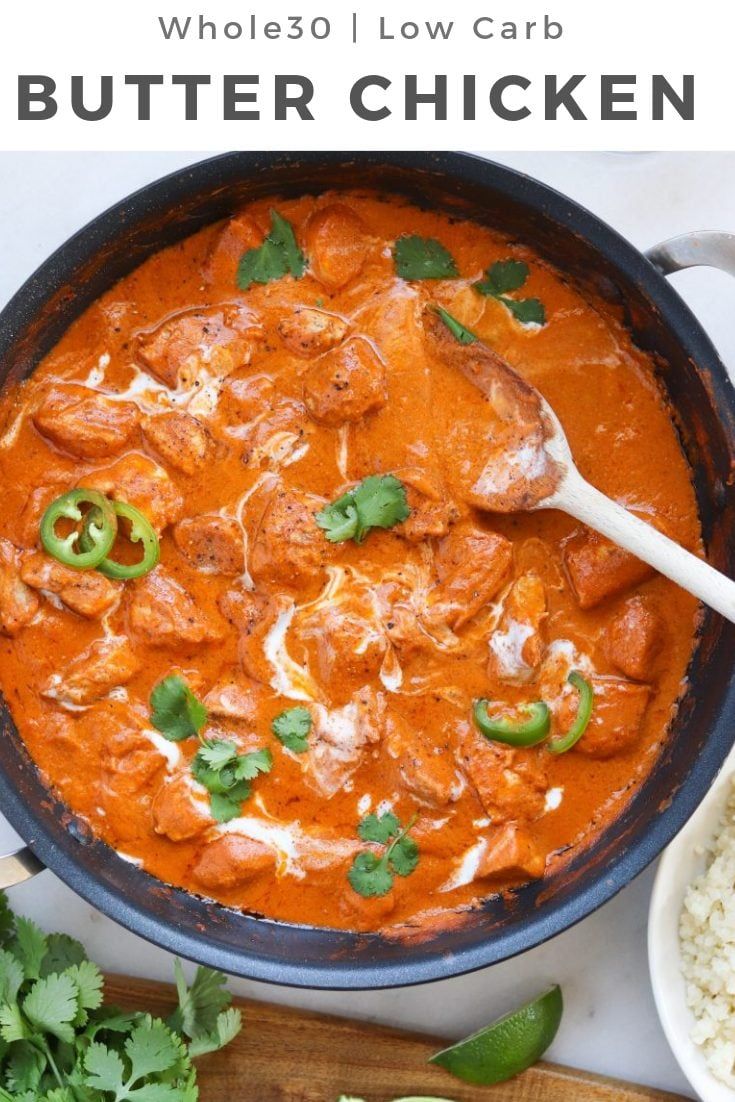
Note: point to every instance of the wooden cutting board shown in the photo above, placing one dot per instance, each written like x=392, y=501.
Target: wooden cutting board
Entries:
x=285, y=1055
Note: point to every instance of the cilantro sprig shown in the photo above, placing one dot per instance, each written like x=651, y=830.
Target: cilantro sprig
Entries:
x=226, y=774
x=219, y=766
x=459, y=331
x=372, y=873
x=423, y=258
x=292, y=728
x=279, y=255
x=510, y=275
x=59, y=1042
x=379, y=501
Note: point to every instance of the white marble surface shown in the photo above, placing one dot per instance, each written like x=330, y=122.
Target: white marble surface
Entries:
x=610, y=1024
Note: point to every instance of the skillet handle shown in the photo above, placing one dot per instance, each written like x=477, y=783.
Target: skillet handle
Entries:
x=707, y=248
x=19, y=866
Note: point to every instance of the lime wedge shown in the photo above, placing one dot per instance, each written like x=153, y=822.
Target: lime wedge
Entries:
x=509, y=1045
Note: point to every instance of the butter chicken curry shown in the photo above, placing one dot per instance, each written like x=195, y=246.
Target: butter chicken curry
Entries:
x=273, y=620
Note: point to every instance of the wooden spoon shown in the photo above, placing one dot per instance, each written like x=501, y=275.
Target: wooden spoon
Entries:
x=530, y=466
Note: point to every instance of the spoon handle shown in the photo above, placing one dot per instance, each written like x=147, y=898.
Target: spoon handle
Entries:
x=581, y=500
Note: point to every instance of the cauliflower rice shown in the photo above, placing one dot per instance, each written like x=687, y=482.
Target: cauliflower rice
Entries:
x=707, y=933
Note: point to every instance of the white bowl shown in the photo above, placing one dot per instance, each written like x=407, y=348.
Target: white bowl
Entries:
x=681, y=862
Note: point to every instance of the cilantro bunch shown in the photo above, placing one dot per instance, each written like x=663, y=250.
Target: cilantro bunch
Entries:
x=59, y=1042
x=372, y=873
x=377, y=502
x=225, y=773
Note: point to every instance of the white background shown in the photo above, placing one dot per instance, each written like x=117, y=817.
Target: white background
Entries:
x=89, y=38
x=610, y=1023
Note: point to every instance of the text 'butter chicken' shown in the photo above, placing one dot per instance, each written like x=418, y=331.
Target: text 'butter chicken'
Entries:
x=271, y=622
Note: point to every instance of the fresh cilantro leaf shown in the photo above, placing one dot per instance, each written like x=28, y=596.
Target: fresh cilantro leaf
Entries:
x=283, y=237
x=175, y=711
x=404, y=856
x=459, y=331
x=369, y=875
x=292, y=728
x=339, y=521
x=250, y=765
x=503, y=276
x=226, y=806
x=151, y=1049
x=24, y=1068
x=423, y=258
x=374, y=828
x=379, y=501
x=511, y=275
x=12, y=1025
x=279, y=255
x=7, y=919
x=105, y=1069
x=51, y=1006
x=11, y=977
x=227, y=1027
x=62, y=952
x=201, y=1004
x=528, y=311
x=216, y=753
x=372, y=875
x=29, y=946
x=88, y=979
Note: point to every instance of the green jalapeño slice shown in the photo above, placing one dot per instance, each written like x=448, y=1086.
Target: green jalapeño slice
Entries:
x=93, y=532
x=562, y=743
x=139, y=530
x=530, y=728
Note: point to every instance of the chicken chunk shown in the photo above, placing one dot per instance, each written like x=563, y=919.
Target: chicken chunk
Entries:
x=83, y=591
x=339, y=738
x=510, y=783
x=242, y=608
x=211, y=543
x=345, y=384
x=36, y=504
x=349, y=643
x=432, y=514
x=177, y=813
x=180, y=439
x=617, y=718
x=197, y=345
x=233, y=697
x=309, y=332
x=130, y=763
x=472, y=566
x=18, y=603
x=598, y=569
x=233, y=861
x=517, y=645
x=289, y=548
x=511, y=853
x=429, y=773
x=337, y=242
x=165, y=615
x=236, y=237
x=139, y=481
x=105, y=665
x=634, y=638
x=85, y=423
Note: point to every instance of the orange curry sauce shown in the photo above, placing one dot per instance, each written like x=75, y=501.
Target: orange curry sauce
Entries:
x=230, y=418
